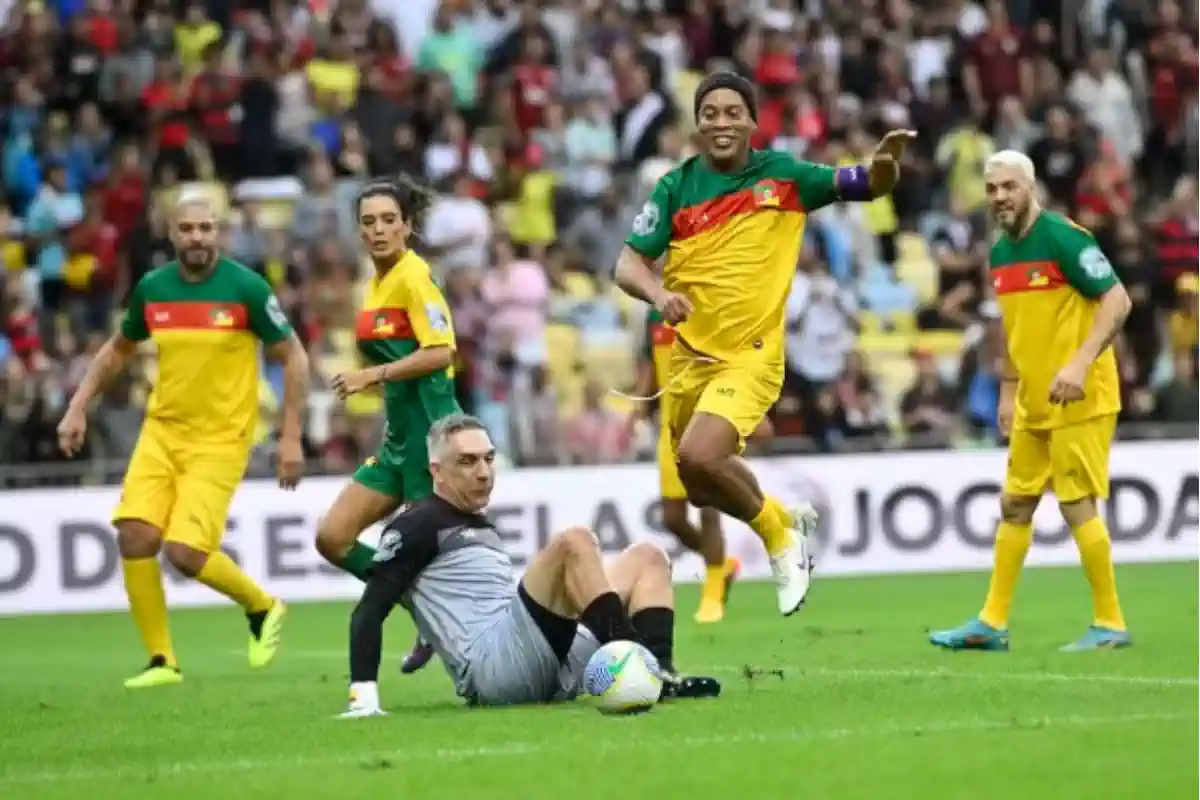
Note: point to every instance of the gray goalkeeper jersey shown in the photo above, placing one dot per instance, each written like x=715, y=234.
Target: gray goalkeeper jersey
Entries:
x=451, y=572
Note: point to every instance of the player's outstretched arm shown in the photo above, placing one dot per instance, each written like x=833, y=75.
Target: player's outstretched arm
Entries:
x=109, y=362
x=635, y=277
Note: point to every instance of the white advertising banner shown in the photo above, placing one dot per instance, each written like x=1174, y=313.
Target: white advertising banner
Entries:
x=881, y=513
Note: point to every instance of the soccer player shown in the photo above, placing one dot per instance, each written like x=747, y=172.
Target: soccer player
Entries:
x=445, y=563
x=1062, y=306
x=405, y=336
x=707, y=541
x=206, y=315
x=730, y=222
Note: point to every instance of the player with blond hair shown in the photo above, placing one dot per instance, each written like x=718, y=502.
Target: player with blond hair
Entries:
x=1062, y=307
x=207, y=316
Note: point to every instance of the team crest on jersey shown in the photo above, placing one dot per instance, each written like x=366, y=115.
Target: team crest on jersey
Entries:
x=383, y=327
x=1037, y=278
x=221, y=318
x=766, y=194
x=646, y=222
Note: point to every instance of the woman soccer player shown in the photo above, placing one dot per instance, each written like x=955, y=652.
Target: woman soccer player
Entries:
x=405, y=337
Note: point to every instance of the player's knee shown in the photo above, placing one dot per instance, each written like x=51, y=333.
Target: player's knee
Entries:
x=186, y=559
x=1078, y=512
x=138, y=539
x=1017, y=509
x=649, y=558
x=333, y=538
x=575, y=541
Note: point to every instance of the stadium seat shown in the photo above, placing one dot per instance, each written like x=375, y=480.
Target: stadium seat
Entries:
x=871, y=322
x=903, y=321
x=941, y=343
x=579, y=286
x=911, y=247
x=885, y=344
x=921, y=274
x=610, y=365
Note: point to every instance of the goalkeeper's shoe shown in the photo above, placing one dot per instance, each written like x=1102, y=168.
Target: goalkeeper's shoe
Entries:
x=364, y=701
x=794, y=566
x=157, y=673
x=972, y=635
x=1098, y=637
x=679, y=687
x=265, y=630
x=420, y=655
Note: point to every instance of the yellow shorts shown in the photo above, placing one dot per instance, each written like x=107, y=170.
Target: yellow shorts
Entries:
x=741, y=392
x=182, y=488
x=670, y=487
x=1071, y=461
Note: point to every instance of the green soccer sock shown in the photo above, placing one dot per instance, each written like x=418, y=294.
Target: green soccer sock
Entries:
x=358, y=561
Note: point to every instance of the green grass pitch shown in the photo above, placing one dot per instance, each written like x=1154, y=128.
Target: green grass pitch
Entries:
x=845, y=700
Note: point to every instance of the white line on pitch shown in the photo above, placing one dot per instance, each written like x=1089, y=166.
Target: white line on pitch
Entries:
x=860, y=672
x=626, y=742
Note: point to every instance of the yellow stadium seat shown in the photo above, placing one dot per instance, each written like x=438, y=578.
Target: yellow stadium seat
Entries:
x=870, y=321
x=911, y=247
x=941, y=343
x=579, y=286
x=610, y=365
x=903, y=321
x=562, y=339
x=275, y=214
x=921, y=274
x=570, y=394
x=884, y=344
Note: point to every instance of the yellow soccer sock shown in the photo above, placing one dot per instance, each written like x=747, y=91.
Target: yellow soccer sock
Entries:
x=224, y=575
x=769, y=526
x=1012, y=543
x=1095, y=551
x=148, y=604
x=714, y=582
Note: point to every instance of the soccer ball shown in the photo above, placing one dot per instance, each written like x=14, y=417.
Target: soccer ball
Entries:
x=623, y=678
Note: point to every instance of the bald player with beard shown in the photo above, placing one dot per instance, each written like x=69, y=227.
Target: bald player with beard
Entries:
x=207, y=317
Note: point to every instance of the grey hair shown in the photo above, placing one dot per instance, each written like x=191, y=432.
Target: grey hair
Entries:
x=446, y=429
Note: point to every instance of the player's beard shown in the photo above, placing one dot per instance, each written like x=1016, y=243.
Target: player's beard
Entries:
x=197, y=258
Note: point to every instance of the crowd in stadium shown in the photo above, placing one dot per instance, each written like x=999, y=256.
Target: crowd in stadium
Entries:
x=543, y=125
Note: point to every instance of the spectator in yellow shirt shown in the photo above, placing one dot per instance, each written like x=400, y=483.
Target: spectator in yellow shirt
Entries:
x=335, y=74
x=193, y=36
x=1184, y=320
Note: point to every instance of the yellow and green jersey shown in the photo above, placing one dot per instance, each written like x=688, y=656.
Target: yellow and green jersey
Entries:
x=731, y=242
x=403, y=312
x=207, y=336
x=1048, y=284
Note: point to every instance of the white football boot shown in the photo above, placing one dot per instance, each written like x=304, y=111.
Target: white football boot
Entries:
x=793, y=568
x=364, y=701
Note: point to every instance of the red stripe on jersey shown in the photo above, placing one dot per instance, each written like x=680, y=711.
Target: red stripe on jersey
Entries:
x=196, y=316
x=1027, y=276
x=662, y=335
x=767, y=194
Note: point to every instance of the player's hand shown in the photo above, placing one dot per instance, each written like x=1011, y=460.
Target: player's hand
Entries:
x=348, y=383
x=72, y=432
x=1068, y=384
x=1006, y=410
x=674, y=307
x=289, y=462
x=884, y=166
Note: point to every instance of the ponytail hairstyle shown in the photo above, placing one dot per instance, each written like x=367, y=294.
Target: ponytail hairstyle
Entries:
x=410, y=197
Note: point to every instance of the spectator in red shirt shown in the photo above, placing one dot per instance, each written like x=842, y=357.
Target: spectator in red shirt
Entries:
x=212, y=96
x=996, y=64
x=165, y=101
x=125, y=193
x=534, y=84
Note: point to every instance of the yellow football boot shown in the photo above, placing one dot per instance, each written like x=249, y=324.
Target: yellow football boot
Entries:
x=265, y=633
x=157, y=673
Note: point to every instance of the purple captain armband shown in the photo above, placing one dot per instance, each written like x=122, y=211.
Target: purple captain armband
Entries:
x=853, y=184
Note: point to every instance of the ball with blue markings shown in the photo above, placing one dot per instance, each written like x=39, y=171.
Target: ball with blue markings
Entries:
x=623, y=678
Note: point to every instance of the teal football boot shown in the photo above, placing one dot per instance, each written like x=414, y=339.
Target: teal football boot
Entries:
x=1097, y=637
x=972, y=635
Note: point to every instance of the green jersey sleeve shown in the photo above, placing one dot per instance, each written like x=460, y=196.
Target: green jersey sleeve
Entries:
x=1083, y=263
x=133, y=324
x=651, y=232
x=816, y=184
x=267, y=320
